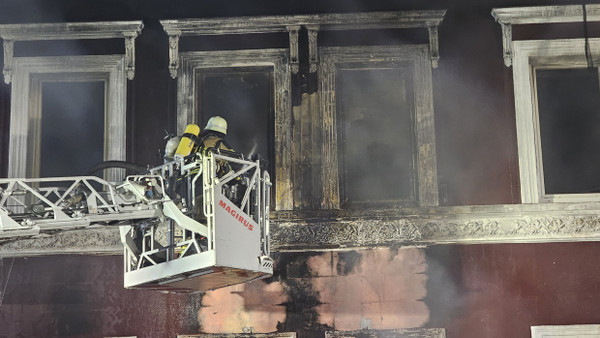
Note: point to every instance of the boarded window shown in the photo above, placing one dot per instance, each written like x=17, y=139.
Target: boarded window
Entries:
x=244, y=98
x=72, y=127
x=569, y=116
x=376, y=134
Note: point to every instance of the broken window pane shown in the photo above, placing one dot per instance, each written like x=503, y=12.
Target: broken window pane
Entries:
x=72, y=127
x=376, y=135
x=244, y=98
x=569, y=116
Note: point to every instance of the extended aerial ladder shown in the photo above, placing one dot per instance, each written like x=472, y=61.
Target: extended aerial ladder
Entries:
x=184, y=225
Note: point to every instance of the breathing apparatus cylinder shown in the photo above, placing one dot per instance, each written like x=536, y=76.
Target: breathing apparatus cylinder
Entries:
x=189, y=140
x=171, y=147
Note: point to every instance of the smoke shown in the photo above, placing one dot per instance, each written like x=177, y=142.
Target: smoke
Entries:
x=242, y=98
x=72, y=127
x=377, y=137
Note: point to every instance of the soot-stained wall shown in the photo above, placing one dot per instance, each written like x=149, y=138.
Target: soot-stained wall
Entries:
x=473, y=104
x=471, y=291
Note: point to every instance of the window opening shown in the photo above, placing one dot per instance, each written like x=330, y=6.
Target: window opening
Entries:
x=376, y=137
x=568, y=101
x=72, y=127
x=244, y=98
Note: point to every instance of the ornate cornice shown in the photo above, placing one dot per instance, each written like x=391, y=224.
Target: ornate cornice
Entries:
x=345, y=229
x=507, y=17
x=127, y=30
x=292, y=23
x=438, y=225
x=97, y=240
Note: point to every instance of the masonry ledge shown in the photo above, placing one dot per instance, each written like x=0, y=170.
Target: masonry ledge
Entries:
x=309, y=230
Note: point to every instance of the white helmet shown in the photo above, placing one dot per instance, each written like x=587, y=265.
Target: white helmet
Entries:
x=218, y=124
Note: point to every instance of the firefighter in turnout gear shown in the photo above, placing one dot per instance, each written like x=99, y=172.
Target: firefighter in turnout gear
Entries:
x=213, y=136
x=212, y=139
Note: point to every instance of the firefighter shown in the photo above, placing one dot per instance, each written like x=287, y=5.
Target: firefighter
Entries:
x=212, y=139
x=213, y=136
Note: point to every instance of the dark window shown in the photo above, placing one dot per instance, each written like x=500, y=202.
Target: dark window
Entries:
x=244, y=97
x=569, y=115
x=376, y=135
x=72, y=127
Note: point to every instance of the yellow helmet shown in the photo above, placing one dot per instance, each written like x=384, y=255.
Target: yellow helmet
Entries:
x=218, y=124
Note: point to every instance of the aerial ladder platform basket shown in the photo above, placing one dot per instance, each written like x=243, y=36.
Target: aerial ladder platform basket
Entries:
x=187, y=225
x=231, y=244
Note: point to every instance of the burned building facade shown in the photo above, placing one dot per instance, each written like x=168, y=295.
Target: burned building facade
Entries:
x=433, y=163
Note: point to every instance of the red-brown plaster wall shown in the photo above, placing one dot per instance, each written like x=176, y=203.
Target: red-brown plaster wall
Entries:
x=502, y=290
x=472, y=291
x=83, y=296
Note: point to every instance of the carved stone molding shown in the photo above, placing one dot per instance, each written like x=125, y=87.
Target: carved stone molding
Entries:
x=313, y=31
x=294, y=59
x=344, y=229
x=128, y=30
x=9, y=47
x=434, y=48
x=273, y=24
x=526, y=223
x=174, y=54
x=100, y=240
x=507, y=17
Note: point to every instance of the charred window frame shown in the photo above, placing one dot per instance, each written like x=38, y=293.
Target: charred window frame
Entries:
x=29, y=75
x=533, y=60
x=274, y=62
x=377, y=152
x=421, y=182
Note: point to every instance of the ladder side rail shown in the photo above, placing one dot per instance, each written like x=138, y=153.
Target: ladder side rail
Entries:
x=110, y=207
x=247, y=166
x=48, y=192
x=258, y=198
x=112, y=192
x=231, y=159
x=58, y=214
x=7, y=195
x=208, y=187
x=42, y=193
x=252, y=185
x=16, y=194
x=4, y=193
x=197, y=176
x=63, y=196
x=266, y=204
x=128, y=253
